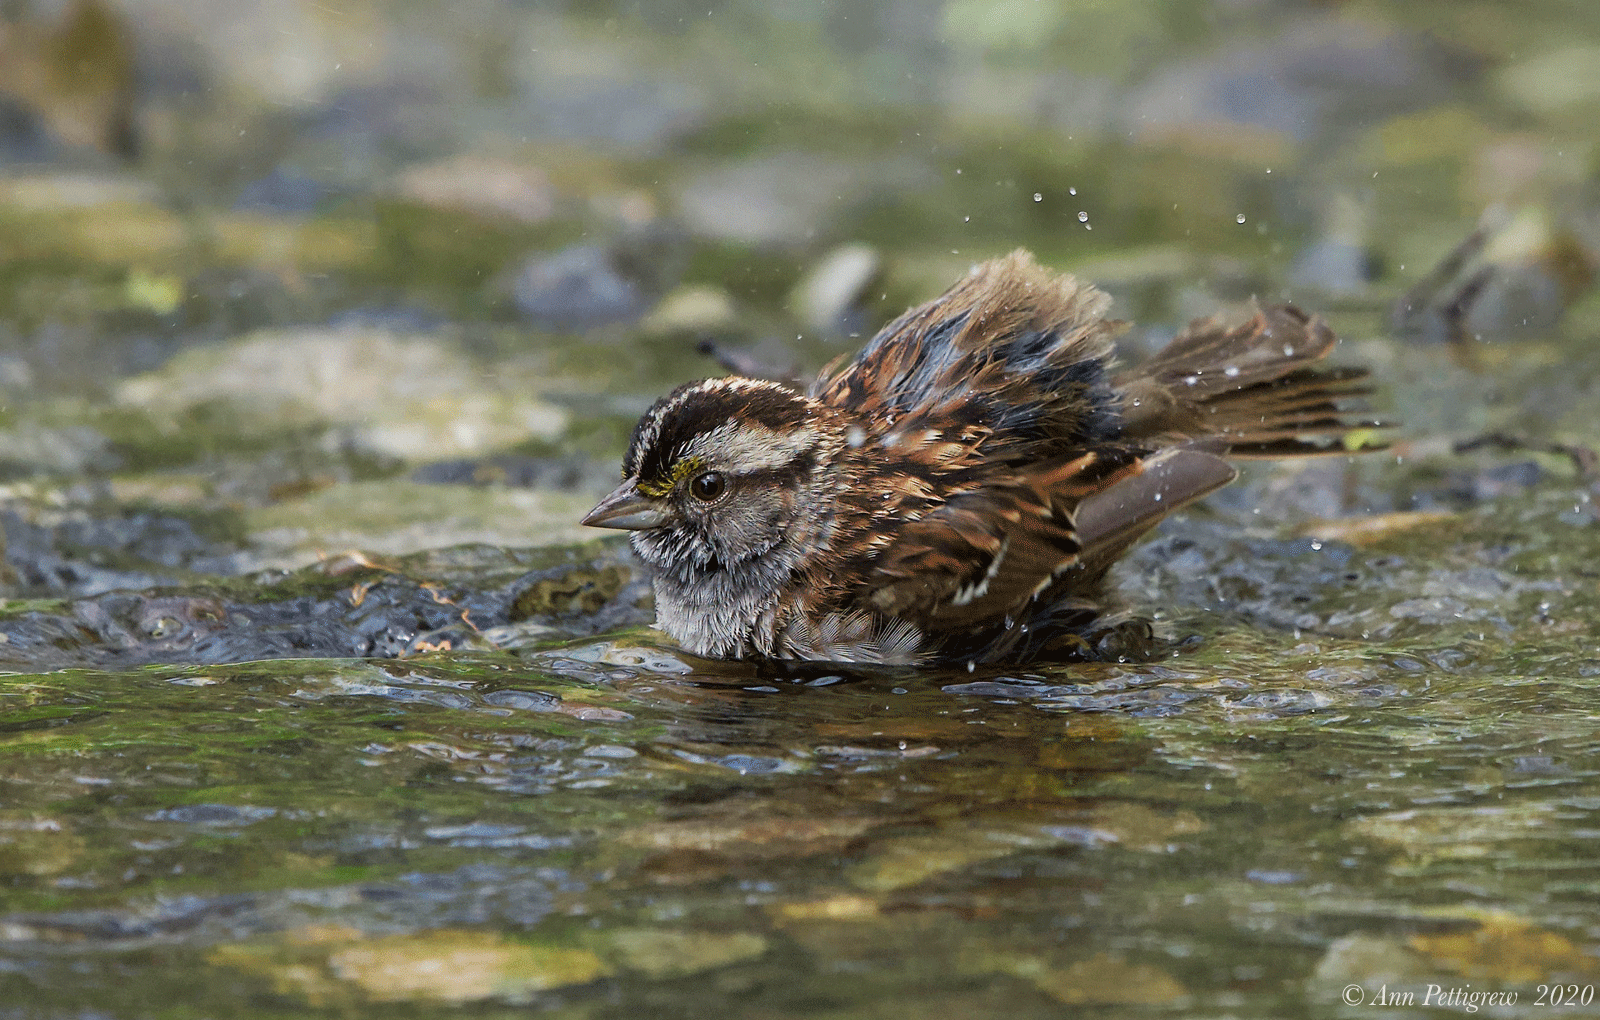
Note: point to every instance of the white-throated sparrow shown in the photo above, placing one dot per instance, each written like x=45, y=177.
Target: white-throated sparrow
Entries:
x=958, y=491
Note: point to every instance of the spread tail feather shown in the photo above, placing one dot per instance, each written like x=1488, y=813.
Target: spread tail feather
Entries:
x=1255, y=387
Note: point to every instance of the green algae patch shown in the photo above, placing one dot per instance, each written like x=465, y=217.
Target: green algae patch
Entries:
x=580, y=590
x=1101, y=980
x=665, y=953
x=441, y=251
x=93, y=222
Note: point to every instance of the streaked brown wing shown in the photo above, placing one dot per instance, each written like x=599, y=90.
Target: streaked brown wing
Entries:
x=1112, y=519
x=985, y=553
x=989, y=549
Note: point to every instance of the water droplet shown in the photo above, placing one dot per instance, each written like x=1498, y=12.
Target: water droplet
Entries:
x=966, y=219
x=1072, y=191
x=1038, y=197
x=1288, y=350
x=1190, y=380
x=1083, y=217
x=1232, y=371
x=1158, y=497
x=1239, y=218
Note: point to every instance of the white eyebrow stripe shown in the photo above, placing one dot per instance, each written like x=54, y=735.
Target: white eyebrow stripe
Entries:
x=650, y=430
x=742, y=448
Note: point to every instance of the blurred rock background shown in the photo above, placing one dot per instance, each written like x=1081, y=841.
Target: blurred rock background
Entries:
x=283, y=278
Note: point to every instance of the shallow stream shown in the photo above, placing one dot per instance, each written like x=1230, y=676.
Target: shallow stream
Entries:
x=317, y=702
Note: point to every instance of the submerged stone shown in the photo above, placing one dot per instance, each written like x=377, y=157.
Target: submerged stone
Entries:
x=410, y=397
x=663, y=953
x=459, y=966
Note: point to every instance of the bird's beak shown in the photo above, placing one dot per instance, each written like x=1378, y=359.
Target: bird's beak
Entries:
x=627, y=510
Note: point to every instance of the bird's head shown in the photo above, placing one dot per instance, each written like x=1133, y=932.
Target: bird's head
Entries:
x=721, y=472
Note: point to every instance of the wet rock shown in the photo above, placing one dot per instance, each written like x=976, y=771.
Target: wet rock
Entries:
x=283, y=192
x=1339, y=261
x=1513, y=169
x=174, y=917
x=1458, y=833
x=1511, y=277
x=23, y=137
x=38, y=846
x=398, y=517
x=73, y=552
x=1334, y=265
x=345, y=606
x=459, y=966
x=1313, y=78
x=1368, y=530
x=1016, y=28
x=1504, y=948
x=829, y=298
x=72, y=77
x=759, y=838
x=696, y=310
x=785, y=199
x=577, y=288
x=213, y=815
x=1560, y=79
x=33, y=448
x=909, y=860
x=1131, y=825
x=408, y=397
x=68, y=190
x=576, y=85
x=662, y=953
x=1529, y=298
x=482, y=186
x=590, y=662
x=573, y=473
x=590, y=285
x=285, y=53
x=833, y=908
x=1073, y=103
x=903, y=861
x=1370, y=961
x=574, y=593
x=1101, y=980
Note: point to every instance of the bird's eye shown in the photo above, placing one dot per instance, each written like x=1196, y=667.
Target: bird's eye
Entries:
x=707, y=487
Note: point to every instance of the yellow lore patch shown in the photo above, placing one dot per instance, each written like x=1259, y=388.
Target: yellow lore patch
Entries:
x=681, y=469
